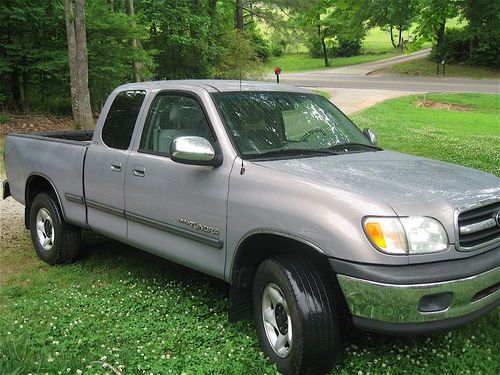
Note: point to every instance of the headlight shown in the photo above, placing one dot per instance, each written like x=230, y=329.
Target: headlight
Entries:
x=406, y=235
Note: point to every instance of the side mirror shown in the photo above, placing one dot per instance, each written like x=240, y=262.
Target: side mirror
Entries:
x=371, y=135
x=194, y=151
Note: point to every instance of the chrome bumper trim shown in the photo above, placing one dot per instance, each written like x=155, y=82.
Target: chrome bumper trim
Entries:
x=399, y=303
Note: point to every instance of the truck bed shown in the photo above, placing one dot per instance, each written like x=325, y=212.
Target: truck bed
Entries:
x=55, y=156
x=78, y=136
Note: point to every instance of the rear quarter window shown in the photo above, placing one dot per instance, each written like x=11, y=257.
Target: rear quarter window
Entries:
x=122, y=116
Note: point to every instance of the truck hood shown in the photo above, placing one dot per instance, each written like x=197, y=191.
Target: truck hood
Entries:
x=409, y=185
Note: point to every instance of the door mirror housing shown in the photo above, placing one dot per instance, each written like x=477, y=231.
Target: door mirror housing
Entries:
x=371, y=135
x=195, y=151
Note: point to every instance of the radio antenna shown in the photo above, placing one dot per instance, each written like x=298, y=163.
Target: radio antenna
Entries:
x=240, y=75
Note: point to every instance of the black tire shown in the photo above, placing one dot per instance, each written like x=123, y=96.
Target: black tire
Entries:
x=315, y=340
x=66, y=237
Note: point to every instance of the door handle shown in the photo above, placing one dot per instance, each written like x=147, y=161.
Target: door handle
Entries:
x=138, y=170
x=116, y=167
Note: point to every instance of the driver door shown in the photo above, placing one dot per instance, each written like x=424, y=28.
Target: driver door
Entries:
x=174, y=210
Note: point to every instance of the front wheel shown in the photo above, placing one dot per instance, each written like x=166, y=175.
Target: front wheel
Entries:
x=55, y=241
x=295, y=316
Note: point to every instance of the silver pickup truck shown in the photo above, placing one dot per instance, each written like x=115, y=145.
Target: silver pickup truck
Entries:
x=274, y=190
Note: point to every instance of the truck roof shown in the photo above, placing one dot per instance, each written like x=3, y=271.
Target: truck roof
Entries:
x=213, y=85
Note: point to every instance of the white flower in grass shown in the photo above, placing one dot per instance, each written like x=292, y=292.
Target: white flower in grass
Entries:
x=50, y=359
x=79, y=371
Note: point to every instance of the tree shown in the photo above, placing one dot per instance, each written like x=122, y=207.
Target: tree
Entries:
x=33, y=54
x=239, y=15
x=483, y=17
x=136, y=67
x=432, y=17
x=329, y=20
x=74, y=11
x=475, y=42
x=390, y=15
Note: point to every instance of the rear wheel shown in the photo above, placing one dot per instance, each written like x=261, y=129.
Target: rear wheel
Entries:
x=295, y=316
x=55, y=241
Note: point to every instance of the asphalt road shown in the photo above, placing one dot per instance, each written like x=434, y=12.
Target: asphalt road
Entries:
x=357, y=77
x=332, y=80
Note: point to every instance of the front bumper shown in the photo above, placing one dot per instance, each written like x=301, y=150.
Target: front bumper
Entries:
x=404, y=305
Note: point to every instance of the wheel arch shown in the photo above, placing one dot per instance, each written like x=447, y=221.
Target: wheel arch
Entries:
x=251, y=251
x=35, y=184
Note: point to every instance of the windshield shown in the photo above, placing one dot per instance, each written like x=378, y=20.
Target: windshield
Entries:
x=281, y=123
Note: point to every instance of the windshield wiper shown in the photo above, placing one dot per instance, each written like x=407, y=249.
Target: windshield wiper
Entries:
x=292, y=152
x=350, y=145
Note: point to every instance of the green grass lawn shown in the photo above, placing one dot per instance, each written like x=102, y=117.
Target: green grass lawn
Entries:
x=468, y=138
x=377, y=41
x=424, y=67
x=304, y=62
x=141, y=314
x=375, y=46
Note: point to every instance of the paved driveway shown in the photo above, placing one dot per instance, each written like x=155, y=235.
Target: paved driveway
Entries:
x=357, y=77
x=353, y=100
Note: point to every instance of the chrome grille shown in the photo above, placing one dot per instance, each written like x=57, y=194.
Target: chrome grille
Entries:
x=478, y=225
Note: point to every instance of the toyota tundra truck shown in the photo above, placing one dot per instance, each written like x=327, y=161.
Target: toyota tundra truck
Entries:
x=274, y=190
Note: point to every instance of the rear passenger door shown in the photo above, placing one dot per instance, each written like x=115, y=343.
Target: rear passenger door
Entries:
x=174, y=210
x=105, y=165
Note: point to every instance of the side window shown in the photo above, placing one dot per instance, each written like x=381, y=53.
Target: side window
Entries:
x=170, y=117
x=120, y=121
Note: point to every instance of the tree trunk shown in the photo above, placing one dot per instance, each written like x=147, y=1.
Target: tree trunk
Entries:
x=392, y=38
x=322, y=39
x=78, y=63
x=400, y=42
x=212, y=10
x=440, y=32
x=136, y=66
x=15, y=88
x=25, y=91
x=325, y=52
x=239, y=15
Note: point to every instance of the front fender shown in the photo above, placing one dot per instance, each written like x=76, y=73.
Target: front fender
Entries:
x=327, y=219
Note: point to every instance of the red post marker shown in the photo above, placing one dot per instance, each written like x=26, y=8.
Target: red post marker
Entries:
x=277, y=71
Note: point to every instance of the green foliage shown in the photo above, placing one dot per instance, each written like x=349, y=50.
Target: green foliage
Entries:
x=3, y=118
x=398, y=14
x=236, y=57
x=476, y=44
x=347, y=47
x=33, y=55
x=484, y=31
x=181, y=33
x=260, y=46
x=193, y=39
x=278, y=46
x=433, y=16
x=314, y=46
x=110, y=53
x=454, y=48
